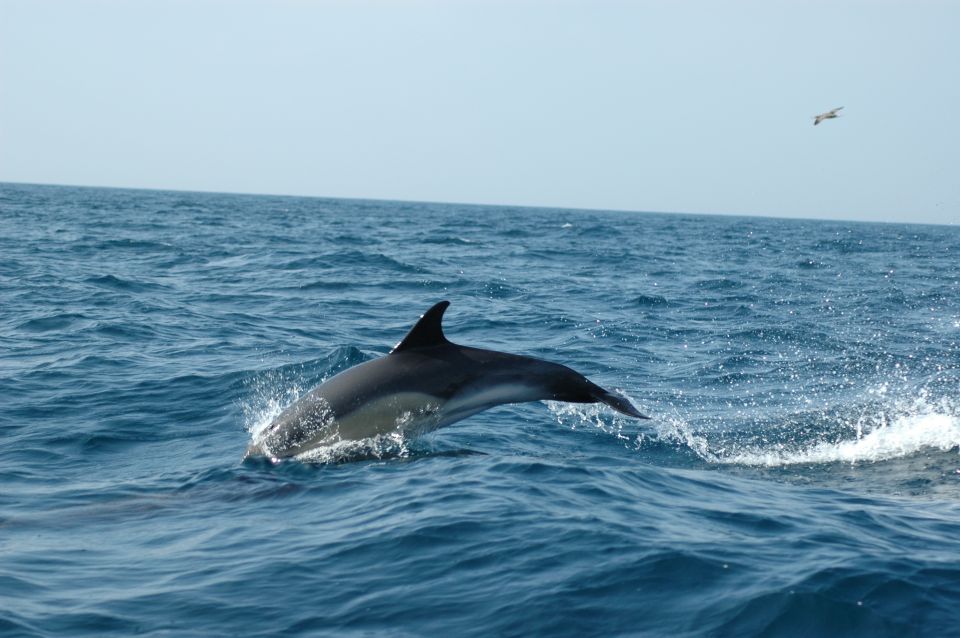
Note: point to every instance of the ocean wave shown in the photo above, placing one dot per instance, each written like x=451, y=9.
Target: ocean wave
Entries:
x=55, y=323
x=127, y=285
x=903, y=436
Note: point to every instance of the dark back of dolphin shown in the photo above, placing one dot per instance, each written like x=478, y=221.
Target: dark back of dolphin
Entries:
x=559, y=383
x=431, y=380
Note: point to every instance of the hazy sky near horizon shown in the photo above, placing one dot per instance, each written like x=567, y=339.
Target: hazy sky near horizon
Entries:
x=688, y=106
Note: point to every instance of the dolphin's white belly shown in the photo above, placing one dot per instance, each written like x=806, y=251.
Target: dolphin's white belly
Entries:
x=409, y=412
x=479, y=398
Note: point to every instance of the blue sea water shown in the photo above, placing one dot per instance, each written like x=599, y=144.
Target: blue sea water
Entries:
x=800, y=475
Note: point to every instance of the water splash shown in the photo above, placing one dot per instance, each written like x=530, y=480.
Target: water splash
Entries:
x=901, y=436
x=596, y=415
x=884, y=428
x=382, y=446
x=676, y=429
x=268, y=395
x=879, y=431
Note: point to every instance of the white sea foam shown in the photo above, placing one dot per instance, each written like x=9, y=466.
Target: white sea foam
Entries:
x=594, y=415
x=392, y=445
x=902, y=436
x=269, y=395
x=675, y=428
x=257, y=420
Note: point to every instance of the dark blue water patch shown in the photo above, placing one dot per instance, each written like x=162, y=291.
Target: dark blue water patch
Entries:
x=651, y=301
x=124, y=330
x=448, y=240
x=324, y=284
x=310, y=263
x=375, y=261
x=54, y=323
x=336, y=360
x=810, y=264
x=113, y=282
x=719, y=284
x=137, y=245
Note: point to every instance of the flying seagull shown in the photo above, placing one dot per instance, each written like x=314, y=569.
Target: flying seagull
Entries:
x=829, y=115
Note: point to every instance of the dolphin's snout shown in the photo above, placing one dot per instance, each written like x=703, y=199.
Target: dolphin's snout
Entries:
x=254, y=450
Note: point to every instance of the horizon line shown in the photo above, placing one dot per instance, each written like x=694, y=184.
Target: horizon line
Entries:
x=477, y=204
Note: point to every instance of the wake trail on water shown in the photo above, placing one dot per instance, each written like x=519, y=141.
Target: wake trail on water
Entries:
x=878, y=432
x=902, y=436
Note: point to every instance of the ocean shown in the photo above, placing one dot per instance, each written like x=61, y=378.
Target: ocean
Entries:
x=800, y=474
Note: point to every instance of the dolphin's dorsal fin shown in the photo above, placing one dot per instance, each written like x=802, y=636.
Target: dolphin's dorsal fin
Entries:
x=426, y=332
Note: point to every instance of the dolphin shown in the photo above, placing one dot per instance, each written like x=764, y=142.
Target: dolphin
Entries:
x=425, y=383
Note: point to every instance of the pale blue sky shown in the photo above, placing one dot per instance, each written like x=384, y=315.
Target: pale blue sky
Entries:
x=701, y=106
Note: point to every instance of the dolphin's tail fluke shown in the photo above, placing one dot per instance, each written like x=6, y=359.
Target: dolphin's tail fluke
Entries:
x=617, y=402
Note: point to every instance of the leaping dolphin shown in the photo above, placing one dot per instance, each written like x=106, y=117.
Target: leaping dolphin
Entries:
x=425, y=383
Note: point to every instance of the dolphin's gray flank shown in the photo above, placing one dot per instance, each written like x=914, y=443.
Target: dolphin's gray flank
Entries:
x=425, y=383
